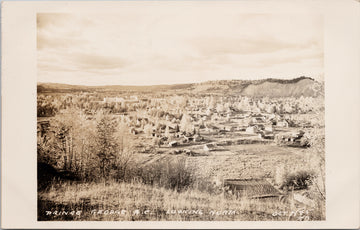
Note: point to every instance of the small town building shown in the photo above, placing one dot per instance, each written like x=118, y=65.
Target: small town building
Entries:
x=209, y=147
x=173, y=143
x=269, y=128
x=252, y=188
x=252, y=129
x=282, y=123
x=197, y=138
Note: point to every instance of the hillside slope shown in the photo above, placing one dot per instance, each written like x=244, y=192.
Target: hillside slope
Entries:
x=305, y=87
x=270, y=87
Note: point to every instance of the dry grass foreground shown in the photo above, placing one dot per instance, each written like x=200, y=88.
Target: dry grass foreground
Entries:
x=113, y=201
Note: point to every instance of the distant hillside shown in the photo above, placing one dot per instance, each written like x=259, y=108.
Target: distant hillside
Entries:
x=302, y=86
x=65, y=88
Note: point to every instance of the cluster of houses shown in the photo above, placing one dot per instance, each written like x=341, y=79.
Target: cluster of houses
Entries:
x=162, y=117
x=204, y=121
x=193, y=120
x=248, y=115
x=130, y=99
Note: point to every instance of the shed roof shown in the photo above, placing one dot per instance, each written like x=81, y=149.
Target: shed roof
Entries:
x=252, y=188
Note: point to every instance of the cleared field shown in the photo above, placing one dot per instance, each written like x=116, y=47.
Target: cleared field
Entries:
x=247, y=161
x=236, y=161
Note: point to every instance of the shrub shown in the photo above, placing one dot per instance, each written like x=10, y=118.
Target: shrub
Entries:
x=178, y=176
x=172, y=174
x=47, y=174
x=297, y=180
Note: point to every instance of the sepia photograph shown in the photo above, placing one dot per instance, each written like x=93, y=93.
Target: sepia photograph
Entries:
x=180, y=116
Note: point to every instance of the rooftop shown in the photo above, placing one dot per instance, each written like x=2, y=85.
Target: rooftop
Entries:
x=252, y=188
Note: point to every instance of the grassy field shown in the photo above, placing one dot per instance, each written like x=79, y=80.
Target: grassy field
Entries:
x=239, y=161
x=133, y=201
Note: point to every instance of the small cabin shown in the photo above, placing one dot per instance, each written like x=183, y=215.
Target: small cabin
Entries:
x=252, y=129
x=173, y=144
x=252, y=188
x=209, y=147
x=269, y=128
x=282, y=123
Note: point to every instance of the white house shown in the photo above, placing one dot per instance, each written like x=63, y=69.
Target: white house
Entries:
x=252, y=129
x=282, y=123
x=269, y=128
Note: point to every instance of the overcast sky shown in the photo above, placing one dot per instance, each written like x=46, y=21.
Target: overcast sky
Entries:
x=144, y=48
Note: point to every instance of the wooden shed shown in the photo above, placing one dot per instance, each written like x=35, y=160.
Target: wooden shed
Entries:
x=252, y=188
